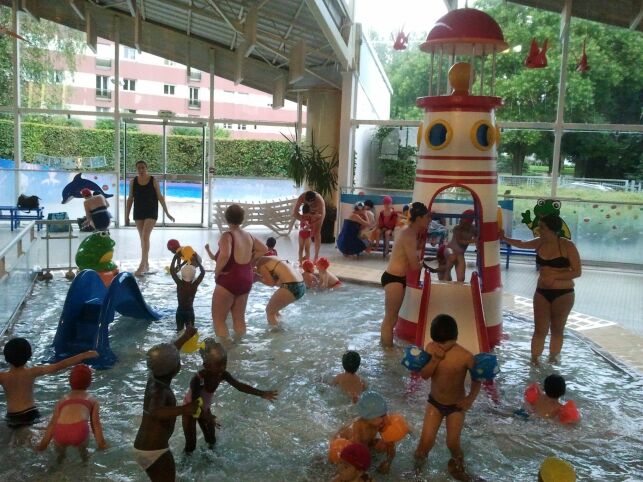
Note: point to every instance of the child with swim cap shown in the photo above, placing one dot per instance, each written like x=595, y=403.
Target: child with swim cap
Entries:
x=271, y=243
x=463, y=235
x=305, y=231
x=204, y=384
x=447, y=370
x=556, y=470
x=186, y=287
x=19, y=379
x=73, y=415
x=151, y=446
x=327, y=280
x=311, y=280
x=354, y=462
x=349, y=381
x=372, y=410
x=96, y=213
x=386, y=223
x=547, y=405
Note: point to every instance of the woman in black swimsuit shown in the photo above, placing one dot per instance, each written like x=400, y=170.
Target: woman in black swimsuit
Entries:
x=559, y=264
x=145, y=195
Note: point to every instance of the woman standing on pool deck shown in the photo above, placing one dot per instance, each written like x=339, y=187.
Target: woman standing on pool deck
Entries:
x=404, y=258
x=233, y=273
x=559, y=264
x=278, y=272
x=145, y=195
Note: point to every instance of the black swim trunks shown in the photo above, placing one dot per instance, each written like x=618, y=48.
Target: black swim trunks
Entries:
x=184, y=316
x=445, y=410
x=23, y=418
x=391, y=278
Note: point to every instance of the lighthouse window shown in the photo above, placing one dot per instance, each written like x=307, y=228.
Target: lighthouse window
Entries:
x=483, y=135
x=438, y=135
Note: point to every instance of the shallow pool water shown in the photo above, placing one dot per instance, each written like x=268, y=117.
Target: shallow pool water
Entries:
x=287, y=440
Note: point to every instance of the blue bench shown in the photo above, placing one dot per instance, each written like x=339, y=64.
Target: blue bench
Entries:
x=510, y=251
x=16, y=214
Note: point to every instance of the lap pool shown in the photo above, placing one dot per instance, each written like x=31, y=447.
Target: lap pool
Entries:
x=287, y=440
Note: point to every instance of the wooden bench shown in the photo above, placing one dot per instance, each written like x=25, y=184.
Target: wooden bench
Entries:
x=16, y=214
x=275, y=215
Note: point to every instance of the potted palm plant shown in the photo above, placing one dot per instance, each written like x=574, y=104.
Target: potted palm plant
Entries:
x=316, y=167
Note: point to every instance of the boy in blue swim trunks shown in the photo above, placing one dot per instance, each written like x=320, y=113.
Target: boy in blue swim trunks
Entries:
x=447, y=370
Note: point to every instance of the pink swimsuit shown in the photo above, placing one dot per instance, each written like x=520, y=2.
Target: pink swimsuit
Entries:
x=236, y=278
x=73, y=434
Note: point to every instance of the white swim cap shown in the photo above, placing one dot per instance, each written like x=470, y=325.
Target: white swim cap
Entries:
x=163, y=359
x=188, y=273
x=213, y=351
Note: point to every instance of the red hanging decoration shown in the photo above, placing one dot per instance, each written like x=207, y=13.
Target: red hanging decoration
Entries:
x=401, y=41
x=537, y=58
x=583, y=66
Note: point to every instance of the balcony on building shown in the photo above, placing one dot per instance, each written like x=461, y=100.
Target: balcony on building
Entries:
x=103, y=94
x=194, y=104
x=194, y=75
x=103, y=63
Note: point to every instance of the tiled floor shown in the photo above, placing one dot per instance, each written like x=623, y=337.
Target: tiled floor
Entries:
x=608, y=310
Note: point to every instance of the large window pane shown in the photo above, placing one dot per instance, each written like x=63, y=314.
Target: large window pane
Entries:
x=6, y=59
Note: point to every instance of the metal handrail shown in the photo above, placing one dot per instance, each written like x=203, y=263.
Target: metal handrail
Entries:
x=17, y=241
x=68, y=235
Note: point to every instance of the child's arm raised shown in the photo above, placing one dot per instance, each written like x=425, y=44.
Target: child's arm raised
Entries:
x=242, y=387
x=97, y=427
x=61, y=365
x=189, y=332
x=196, y=259
x=49, y=433
x=173, y=268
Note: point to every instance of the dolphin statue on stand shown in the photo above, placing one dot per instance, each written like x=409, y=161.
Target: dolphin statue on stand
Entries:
x=72, y=190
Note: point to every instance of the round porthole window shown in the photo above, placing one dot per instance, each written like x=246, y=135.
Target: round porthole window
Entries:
x=438, y=134
x=483, y=135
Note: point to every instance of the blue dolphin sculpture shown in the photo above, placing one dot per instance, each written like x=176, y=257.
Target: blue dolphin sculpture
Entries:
x=72, y=190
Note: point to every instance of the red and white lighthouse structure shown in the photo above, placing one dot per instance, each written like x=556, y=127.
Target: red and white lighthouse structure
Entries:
x=458, y=141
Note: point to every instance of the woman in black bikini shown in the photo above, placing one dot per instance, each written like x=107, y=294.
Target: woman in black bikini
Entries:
x=277, y=272
x=559, y=264
x=145, y=195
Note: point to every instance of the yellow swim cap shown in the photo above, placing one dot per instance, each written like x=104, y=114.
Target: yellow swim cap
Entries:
x=557, y=470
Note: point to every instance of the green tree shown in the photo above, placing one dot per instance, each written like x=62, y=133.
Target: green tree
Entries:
x=197, y=132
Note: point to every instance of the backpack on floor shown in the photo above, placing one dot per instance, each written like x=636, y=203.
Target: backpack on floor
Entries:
x=28, y=202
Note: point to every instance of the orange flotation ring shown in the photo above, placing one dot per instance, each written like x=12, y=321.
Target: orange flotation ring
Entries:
x=395, y=428
x=568, y=413
x=107, y=276
x=336, y=447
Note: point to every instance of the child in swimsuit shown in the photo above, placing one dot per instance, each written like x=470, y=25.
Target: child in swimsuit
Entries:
x=186, y=287
x=19, y=379
x=73, y=415
x=311, y=279
x=151, y=448
x=372, y=410
x=463, y=235
x=447, y=370
x=349, y=381
x=443, y=269
x=271, y=243
x=327, y=280
x=355, y=460
x=204, y=384
x=305, y=230
x=96, y=211
x=547, y=405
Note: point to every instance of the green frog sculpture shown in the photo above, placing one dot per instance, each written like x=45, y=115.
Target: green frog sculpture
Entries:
x=542, y=208
x=95, y=252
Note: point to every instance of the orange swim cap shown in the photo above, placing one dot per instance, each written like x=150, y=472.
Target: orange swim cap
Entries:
x=323, y=263
x=308, y=266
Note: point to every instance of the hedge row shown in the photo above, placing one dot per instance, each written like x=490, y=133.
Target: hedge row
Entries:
x=233, y=157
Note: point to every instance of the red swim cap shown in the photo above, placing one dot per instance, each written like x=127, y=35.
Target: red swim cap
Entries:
x=80, y=377
x=308, y=266
x=85, y=192
x=387, y=200
x=323, y=263
x=357, y=455
x=468, y=216
x=173, y=245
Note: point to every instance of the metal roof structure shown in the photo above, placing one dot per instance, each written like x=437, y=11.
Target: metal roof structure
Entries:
x=300, y=44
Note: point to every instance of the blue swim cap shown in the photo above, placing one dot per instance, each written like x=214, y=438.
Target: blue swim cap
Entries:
x=371, y=405
x=415, y=358
x=485, y=367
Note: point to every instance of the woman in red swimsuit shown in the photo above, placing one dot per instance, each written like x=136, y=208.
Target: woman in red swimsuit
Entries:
x=559, y=264
x=233, y=273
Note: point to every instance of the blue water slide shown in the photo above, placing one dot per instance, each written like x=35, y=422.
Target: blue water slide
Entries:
x=89, y=309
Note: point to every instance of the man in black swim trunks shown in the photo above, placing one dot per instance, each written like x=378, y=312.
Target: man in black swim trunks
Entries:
x=404, y=258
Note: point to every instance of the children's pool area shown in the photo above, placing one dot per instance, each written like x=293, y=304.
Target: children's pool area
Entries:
x=288, y=440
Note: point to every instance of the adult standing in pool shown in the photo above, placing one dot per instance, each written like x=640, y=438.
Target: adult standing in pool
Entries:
x=274, y=271
x=233, y=273
x=404, y=259
x=559, y=264
x=145, y=195
x=318, y=210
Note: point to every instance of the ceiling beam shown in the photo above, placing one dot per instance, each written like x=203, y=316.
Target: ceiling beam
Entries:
x=322, y=16
x=637, y=20
x=132, y=8
x=76, y=10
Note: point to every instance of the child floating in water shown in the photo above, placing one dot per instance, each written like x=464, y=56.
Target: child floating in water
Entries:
x=74, y=413
x=305, y=229
x=19, y=379
x=447, y=370
x=271, y=243
x=327, y=280
x=151, y=448
x=186, y=287
x=546, y=405
x=311, y=280
x=96, y=210
x=372, y=411
x=463, y=235
x=355, y=460
x=349, y=381
x=204, y=384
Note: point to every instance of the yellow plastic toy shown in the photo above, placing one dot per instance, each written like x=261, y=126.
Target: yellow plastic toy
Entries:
x=192, y=344
x=556, y=470
x=186, y=253
x=395, y=428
